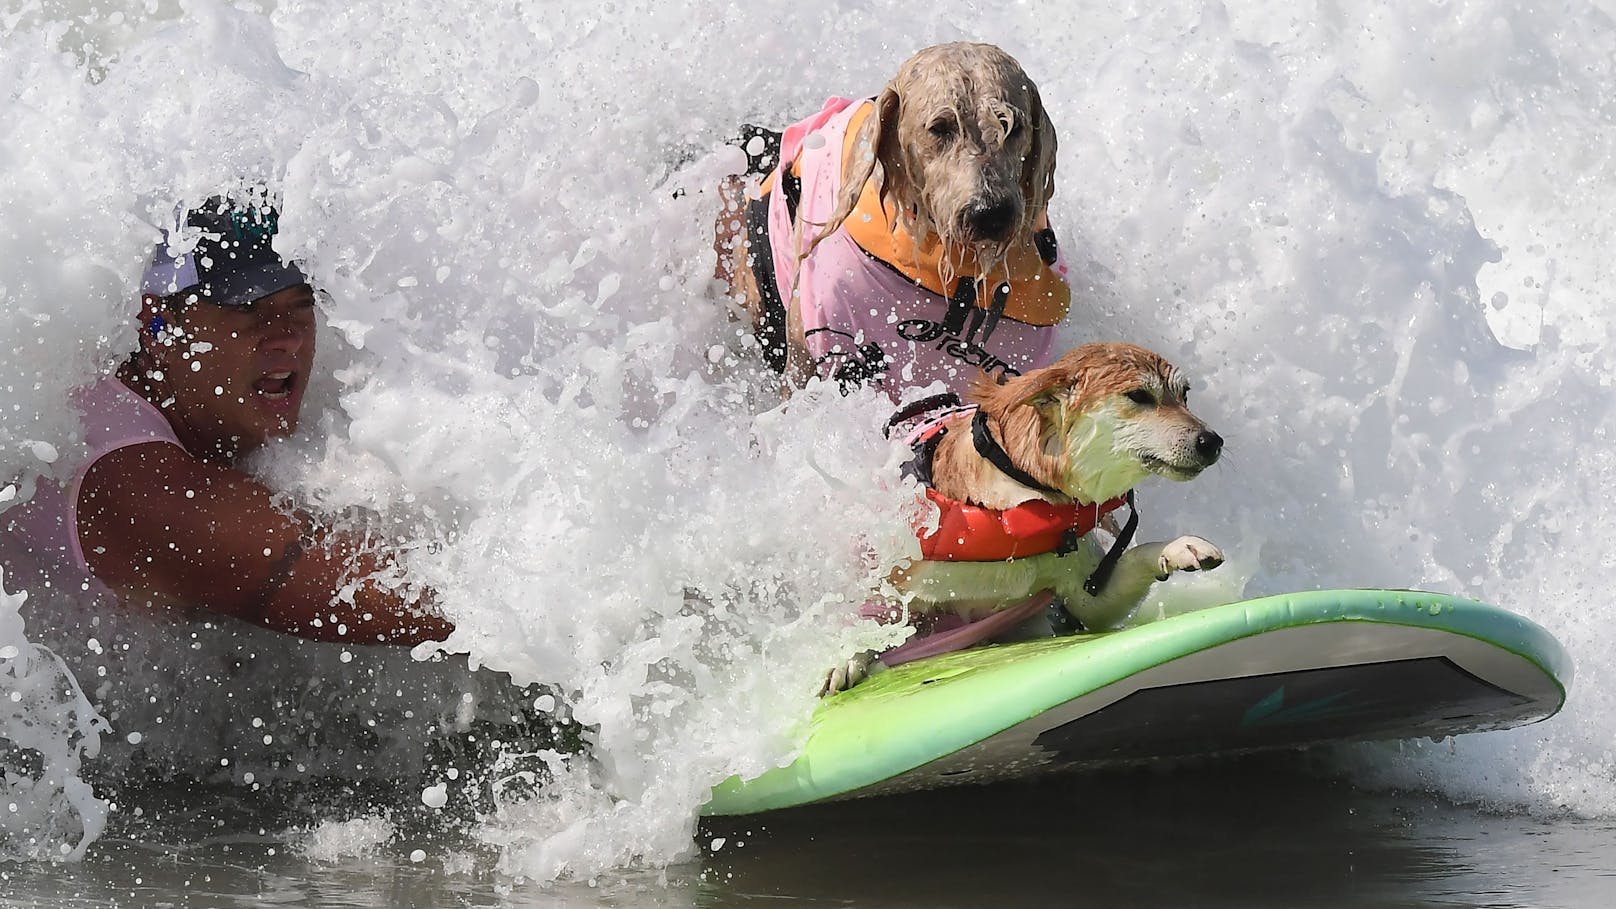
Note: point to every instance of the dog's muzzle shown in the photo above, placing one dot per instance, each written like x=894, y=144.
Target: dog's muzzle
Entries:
x=991, y=221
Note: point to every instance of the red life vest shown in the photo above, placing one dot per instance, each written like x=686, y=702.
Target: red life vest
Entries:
x=971, y=533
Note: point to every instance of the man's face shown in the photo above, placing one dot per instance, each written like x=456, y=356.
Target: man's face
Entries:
x=238, y=375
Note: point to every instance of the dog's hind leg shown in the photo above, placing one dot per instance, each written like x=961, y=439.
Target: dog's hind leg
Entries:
x=856, y=668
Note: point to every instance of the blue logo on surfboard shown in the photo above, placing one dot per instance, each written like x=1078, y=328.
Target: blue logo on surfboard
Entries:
x=1272, y=711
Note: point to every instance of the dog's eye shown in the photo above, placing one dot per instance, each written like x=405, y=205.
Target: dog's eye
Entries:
x=1012, y=127
x=942, y=128
x=1141, y=397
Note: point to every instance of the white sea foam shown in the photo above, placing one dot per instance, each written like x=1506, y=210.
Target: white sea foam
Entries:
x=1376, y=237
x=335, y=841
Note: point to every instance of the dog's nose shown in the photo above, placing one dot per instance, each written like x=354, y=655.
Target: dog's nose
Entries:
x=1208, y=445
x=991, y=221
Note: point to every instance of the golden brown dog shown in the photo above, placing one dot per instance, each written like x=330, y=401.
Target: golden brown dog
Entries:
x=961, y=145
x=943, y=181
x=1085, y=430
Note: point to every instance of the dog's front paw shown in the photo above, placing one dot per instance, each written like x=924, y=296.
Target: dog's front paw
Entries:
x=850, y=673
x=1188, y=553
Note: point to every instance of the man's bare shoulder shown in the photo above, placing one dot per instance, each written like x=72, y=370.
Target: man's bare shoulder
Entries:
x=151, y=515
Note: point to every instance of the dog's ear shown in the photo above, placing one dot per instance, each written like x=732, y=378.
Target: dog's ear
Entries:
x=877, y=143
x=1041, y=388
x=895, y=174
x=1038, y=169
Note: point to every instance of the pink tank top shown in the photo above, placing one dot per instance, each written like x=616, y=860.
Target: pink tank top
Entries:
x=40, y=536
x=862, y=320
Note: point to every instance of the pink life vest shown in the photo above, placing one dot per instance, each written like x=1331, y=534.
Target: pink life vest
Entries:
x=865, y=319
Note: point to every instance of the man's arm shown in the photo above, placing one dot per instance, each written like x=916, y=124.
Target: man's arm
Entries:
x=153, y=518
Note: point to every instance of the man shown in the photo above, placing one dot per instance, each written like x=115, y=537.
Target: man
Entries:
x=161, y=515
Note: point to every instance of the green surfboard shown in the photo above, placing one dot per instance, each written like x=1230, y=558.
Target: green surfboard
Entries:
x=1277, y=672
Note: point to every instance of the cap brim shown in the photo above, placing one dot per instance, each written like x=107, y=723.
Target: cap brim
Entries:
x=242, y=288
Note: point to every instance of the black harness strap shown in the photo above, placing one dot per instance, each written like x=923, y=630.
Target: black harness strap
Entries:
x=925, y=451
x=1001, y=297
x=988, y=447
x=1108, y=564
x=919, y=466
x=771, y=329
x=791, y=184
x=1048, y=249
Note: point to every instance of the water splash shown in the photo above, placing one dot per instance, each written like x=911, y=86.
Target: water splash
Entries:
x=1372, y=235
x=47, y=728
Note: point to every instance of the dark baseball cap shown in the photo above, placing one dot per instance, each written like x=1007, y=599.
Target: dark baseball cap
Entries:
x=234, y=262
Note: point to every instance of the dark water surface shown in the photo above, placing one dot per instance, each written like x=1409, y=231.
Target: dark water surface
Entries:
x=1257, y=833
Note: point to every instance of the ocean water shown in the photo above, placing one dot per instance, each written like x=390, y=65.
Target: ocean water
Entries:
x=1376, y=236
